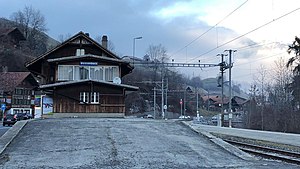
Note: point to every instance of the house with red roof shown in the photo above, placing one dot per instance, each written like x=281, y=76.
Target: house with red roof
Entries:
x=17, y=91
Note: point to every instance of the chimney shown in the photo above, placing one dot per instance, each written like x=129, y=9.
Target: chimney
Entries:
x=87, y=34
x=104, y=41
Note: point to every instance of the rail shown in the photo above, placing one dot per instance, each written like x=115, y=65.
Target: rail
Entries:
x=267, y=152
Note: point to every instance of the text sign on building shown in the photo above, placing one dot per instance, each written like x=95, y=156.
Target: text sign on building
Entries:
x=89, y=63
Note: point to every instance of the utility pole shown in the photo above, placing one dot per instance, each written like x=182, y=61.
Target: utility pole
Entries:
x=230, y=88
x=167, y=84
x=222, y=69
x=197, y=106
x=154, y=103
x=184, y=102
x=162, y=98
x=180, y=107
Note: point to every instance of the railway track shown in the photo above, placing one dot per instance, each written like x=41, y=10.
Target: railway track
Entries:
x=267, y=152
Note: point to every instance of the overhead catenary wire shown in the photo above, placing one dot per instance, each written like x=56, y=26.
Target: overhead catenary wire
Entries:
x=261, y=58
x=251, y=31
x=209, y=29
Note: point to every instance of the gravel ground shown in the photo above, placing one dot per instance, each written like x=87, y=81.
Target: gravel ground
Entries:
x=118, y=143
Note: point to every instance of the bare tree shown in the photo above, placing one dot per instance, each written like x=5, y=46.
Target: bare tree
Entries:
x=32, y=23
x=157, y=54
x=282, y=76
x=262, y=84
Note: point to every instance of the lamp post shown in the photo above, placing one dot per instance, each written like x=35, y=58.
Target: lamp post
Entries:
x=133, y=51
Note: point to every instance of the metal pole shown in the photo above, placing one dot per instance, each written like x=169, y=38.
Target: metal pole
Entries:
x=197, y=106
x=133, y=48
x=222, y=68
x=167, y=95
x=207, y=100
x=181, y=107
x=230, y=88
x=154, y=104
x=162, y=98
x=184, y=102
x=133, y=51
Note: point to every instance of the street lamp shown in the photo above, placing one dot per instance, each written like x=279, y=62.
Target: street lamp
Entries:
x=133, y=51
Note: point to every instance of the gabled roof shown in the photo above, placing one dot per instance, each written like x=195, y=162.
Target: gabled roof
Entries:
x=80, y=34
x=216, y=99
x=67, y=83
x=10, y=80
x=240, y=100
x=12, y=31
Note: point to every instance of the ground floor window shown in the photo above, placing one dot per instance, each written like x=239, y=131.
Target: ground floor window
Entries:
x=84, y=97
x=95, y=97
x=92, y=97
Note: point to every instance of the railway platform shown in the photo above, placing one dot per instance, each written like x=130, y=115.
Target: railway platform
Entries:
x=268, y=136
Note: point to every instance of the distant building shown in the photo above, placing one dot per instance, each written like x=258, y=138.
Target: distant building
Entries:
x=83, y=78
x=17, y=91
x=11, y=37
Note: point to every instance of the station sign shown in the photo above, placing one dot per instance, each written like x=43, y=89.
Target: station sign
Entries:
x=89, y=63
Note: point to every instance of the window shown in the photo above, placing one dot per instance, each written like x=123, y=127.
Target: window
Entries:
x=111, y=72
x=94, y=97
x=84, y=72
x=84, y=97
x=65, y=72
x=70, y=72
x=81, y=72
x=96, y=73
x=80, y=52
x=19, y=91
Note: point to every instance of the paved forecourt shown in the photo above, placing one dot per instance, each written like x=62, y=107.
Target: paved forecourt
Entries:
x=119, y=143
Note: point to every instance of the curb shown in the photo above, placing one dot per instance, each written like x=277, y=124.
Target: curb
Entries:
x=228, y=147
x=10, y=134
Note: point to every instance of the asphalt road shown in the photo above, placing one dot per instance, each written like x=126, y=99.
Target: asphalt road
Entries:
x=3, y=129
x=118, y=143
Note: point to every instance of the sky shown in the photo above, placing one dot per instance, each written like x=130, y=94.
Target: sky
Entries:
x=190, y=30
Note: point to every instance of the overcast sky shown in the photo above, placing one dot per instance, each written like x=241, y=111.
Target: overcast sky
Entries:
x=178, y=25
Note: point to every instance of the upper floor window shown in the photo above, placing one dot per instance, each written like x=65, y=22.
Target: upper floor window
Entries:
x=65, y=72
x=80, y=52
x=19, y=91
x=107, y=73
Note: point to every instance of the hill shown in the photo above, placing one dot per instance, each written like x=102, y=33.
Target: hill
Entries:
x=12, y=56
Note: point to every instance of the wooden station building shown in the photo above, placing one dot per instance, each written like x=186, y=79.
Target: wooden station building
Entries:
x=83, y=78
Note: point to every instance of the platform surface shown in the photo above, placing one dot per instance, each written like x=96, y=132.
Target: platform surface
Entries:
x=277, y=137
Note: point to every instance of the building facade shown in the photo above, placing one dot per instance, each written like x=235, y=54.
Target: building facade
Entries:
x=17, y=92
x=83, y=78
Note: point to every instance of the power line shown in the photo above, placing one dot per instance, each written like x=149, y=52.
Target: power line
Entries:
x=253, y=30
x=262, y=58
x=209, y=29
x=246, y=47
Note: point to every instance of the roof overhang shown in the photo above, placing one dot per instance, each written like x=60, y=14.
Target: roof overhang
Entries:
x=69, y=58
x=68, y=83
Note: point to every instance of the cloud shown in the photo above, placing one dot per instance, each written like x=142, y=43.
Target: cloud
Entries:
x=178, y=25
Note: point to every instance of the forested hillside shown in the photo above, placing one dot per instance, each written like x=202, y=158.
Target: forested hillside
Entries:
x=13, y=57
